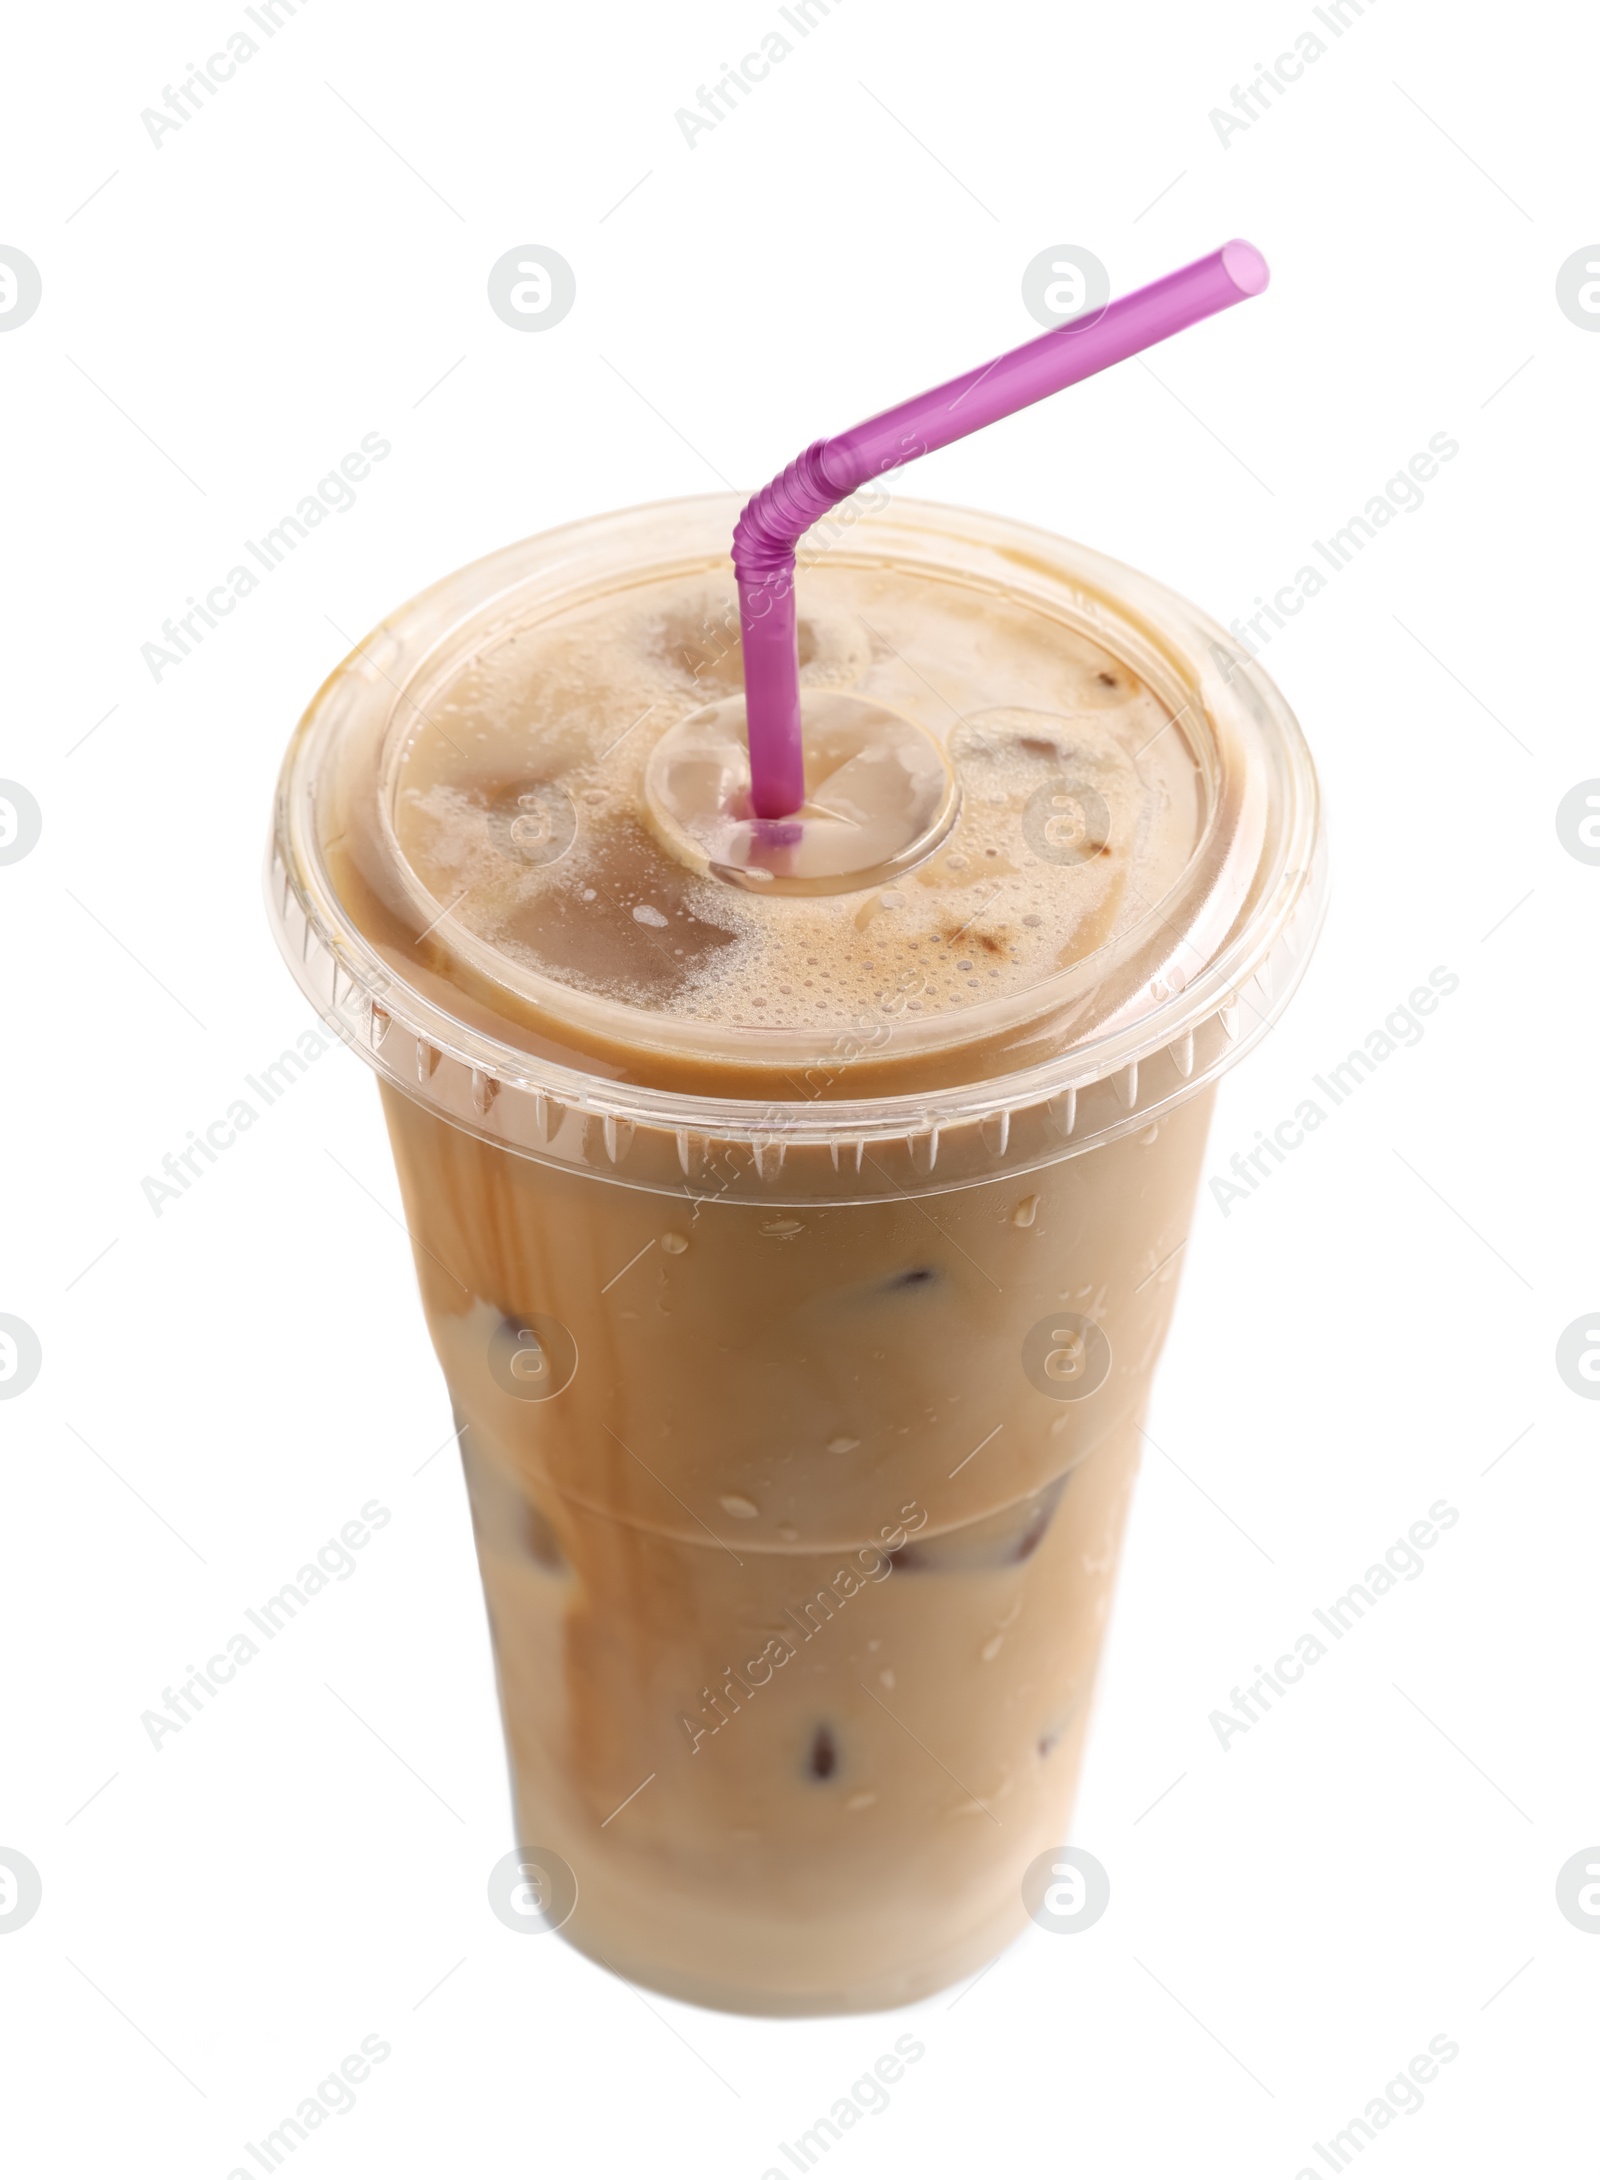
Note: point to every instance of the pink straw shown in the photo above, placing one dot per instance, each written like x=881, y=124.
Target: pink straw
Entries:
x=773, y=523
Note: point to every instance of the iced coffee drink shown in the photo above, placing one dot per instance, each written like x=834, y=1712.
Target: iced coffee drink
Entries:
x=798, y=1206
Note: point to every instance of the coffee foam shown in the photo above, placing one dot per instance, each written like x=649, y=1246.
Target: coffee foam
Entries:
x=565, y=715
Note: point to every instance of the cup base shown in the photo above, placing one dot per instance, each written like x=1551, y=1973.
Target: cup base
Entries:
x=963, y=1956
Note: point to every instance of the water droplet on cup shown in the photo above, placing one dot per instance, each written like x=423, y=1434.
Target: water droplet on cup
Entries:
x=744, y=1509
x=843, y=1445
x=1025, y=1212
x=674, y=1244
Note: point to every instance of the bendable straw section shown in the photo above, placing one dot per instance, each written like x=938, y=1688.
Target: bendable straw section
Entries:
x=764, y=541
x=774, y=521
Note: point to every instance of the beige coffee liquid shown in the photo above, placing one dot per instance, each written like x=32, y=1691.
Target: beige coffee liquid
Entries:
x=800, y=1544
x=797, y=1573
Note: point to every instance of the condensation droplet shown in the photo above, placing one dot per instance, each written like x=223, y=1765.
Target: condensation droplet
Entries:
x=1060, y=1427
x=843, y=1445
x=861, y=1801
x=743, y=1509
x=644, y=913
x=674, y=1244
x=991, y=1649
x=887, y=1676
x=1025, y=1212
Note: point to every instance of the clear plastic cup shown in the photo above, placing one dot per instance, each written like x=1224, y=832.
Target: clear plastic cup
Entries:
x=799, y=1331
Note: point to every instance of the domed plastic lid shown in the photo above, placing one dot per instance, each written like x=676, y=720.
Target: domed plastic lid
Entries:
x=1053, y=828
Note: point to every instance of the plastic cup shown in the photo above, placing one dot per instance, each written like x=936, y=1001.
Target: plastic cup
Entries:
x=799, y=1341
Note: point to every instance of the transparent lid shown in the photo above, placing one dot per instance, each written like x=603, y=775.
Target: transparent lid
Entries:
x=1053, y=828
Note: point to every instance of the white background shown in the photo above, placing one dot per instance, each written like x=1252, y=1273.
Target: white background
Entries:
x=305, y=262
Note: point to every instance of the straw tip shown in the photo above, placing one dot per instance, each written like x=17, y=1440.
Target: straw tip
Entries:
x=1245, y=267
